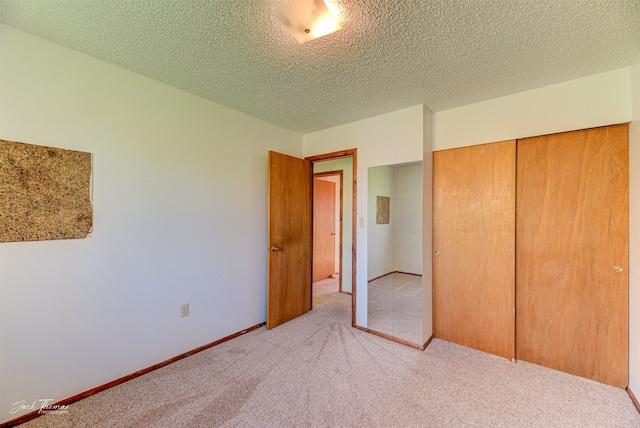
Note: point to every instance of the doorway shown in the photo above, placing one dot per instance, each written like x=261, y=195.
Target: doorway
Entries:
x=289, y=234
x=327, y=227
x=343, y=163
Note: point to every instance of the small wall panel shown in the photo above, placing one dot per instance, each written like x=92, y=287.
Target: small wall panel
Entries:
x=383, y=205
x=45, y=193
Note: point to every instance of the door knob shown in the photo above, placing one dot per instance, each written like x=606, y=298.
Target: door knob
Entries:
x=617, y=268
x=437, y=253
x=332, y=233
x=275, y=248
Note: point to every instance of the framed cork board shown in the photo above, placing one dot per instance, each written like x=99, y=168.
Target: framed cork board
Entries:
x=45, y=193
x=383, y=207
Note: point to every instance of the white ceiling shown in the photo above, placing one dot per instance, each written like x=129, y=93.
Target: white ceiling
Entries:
x=389, y=55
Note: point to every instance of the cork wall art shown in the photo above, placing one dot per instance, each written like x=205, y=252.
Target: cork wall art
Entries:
x=45, y=193
x=383, y=207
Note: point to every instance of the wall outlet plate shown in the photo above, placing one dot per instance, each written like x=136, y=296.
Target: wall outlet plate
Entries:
x=184, y=310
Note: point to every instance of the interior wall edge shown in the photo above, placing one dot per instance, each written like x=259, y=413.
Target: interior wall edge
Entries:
x=427, y=226
x=634, y=228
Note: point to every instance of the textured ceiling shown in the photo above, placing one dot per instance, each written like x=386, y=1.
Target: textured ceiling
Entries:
x=389, y=55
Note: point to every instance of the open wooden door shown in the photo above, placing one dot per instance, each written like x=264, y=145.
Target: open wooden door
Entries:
x=324, y=229
x=289, y=239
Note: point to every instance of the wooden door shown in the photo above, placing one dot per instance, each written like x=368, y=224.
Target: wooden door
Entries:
x=324, y=229
x=289, y=239
x=572, y=239
x=473, y=241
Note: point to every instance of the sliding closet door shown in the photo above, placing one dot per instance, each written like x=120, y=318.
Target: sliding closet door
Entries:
x=572, y=253
x=473, y=237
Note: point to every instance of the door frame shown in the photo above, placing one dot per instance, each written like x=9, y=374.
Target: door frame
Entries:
x=337, y=173
x=349, y=153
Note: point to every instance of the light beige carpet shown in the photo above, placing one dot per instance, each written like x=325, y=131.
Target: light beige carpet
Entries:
x=395, y=306
x=318, y=371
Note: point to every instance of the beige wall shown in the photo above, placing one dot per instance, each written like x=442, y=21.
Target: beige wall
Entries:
x=379, y=236
x=179, y=192
x=598, y=100
x=406, y=218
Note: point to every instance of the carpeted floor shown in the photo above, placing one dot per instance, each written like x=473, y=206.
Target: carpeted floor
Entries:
x=318, y=371
x=395, y=306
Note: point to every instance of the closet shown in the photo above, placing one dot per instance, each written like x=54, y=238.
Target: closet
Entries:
x=473, y=239
x=531, y=250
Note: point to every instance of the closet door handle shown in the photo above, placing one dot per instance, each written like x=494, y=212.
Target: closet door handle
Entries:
x=275, y=248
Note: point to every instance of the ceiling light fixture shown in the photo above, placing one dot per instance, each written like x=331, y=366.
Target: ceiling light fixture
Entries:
x=307, y=19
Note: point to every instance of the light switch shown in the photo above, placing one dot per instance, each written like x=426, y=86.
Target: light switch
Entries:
x=361, y=221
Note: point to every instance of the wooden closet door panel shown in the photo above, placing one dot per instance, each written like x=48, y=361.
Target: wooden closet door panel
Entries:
x=572, y=232
x=324, y=229
x=473, y=237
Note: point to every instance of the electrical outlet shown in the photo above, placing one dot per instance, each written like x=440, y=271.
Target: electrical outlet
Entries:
x=184, y=310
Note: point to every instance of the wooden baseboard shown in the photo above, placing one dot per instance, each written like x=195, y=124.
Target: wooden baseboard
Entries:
x=427, y=343
x=408, y=273
x=391, y=273
x=65, y=402
x=381, y=276
x=395, y=339
x=633, y=398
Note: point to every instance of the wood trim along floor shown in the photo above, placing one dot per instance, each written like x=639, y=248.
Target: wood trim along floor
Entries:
x=391, y=273
x=389, y=337
x=29, y=416
x=408, y=273
x=633, y=398
x=427, y=343
x=381, y=276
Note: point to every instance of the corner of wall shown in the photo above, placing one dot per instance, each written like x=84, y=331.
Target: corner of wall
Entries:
x=427, y=225
x=634, y=230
